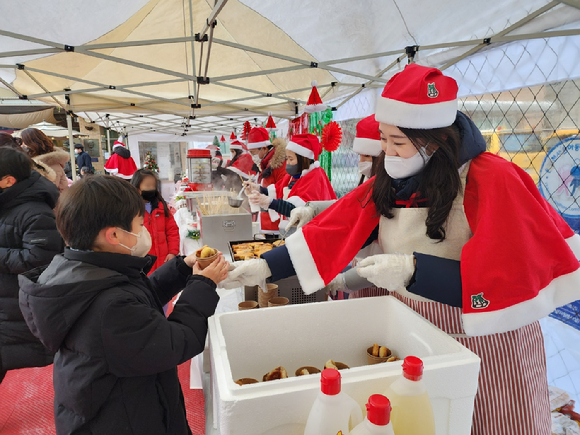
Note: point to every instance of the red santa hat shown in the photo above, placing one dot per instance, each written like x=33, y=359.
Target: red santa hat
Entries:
x=118, y=144
x=237, y=145
x=222, y=139
x=306, y=145
x=314, y=103
x=418, y=97
x=270, y=124
x=233, y=136
x=258, y=138
x=368, y=139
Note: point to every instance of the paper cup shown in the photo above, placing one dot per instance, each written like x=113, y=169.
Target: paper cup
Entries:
x=311, y=370
x=278, y=302
x=254, y=208
x=264, y=297
x=377, y=359
x=246, y=381
x=204, y=262
x=247, y=305
x=340, y=366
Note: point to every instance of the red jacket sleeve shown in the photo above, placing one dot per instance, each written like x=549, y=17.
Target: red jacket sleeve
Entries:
x=172, y=234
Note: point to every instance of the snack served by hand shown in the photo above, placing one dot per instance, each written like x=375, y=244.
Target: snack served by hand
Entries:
x=383, y=352
x=393, y=358
x=252, y=250
x=304, y=372
x=330, y=365
x=277, y=373
x=375, y=349
x=279, y=243
x=206, y=252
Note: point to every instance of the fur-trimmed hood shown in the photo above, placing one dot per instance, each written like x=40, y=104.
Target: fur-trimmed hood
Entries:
x=57, y=156
x=279, y=156
x=44, y=170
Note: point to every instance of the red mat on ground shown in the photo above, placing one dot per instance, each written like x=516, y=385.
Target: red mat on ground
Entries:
x=26, y=402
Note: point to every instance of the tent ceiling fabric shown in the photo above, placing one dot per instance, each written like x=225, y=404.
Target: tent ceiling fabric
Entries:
x=261, y=54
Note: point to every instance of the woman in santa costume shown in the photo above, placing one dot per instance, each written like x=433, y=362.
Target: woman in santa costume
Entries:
x=241, y=162
x=304, y=181
x=468, y=242
x=271, y=159
x=121, y=164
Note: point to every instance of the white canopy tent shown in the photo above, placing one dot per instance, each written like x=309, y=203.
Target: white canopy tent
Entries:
x=137, y=61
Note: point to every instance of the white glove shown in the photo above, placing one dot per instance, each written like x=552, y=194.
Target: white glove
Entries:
x=337, y=284
x=248, y=272
x=262, y=200
x=389, y=271
x=300, y=216
x=251, y=187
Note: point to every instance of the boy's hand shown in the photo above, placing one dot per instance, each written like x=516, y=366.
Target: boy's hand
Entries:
x=169, y=258
x=217, y=271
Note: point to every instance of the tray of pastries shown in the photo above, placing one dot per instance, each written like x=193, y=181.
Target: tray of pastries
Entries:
x=249, y=250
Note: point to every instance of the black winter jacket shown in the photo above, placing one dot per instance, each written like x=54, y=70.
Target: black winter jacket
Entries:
x=115, y=367
x=28, y=239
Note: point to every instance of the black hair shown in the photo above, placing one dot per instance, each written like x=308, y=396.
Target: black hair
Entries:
x=95, y=203
x=79, y=146
x=87, y=170
x=237, y=154
x=138, y=178
x=303, y=163
x=7, y=140
x=15, y=163
x=440, y=181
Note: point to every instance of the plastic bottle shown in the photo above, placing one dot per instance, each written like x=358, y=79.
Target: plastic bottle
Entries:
x=378, y=419
x=332, y=409
x=412, y=413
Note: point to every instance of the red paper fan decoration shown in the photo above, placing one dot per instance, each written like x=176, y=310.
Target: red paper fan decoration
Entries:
x=246, y=132
x=331, y=136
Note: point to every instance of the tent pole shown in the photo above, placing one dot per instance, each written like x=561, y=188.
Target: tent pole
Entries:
x=71, y=145
x=192, y=50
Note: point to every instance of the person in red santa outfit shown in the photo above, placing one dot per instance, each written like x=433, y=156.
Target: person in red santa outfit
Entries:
x=121, y=164
x=271, y=158
x=241, y=162
x=304, y=181
x=468, y=242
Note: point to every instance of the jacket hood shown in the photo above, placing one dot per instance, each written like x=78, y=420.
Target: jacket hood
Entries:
x=122, y=152
x=33, y=189
x=53, y=300
x=279, y=156
x=44, y=170
x=472, y=141
x=57, y=156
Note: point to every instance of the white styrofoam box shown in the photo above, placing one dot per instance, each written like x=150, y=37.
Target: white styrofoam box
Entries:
x=248, y=344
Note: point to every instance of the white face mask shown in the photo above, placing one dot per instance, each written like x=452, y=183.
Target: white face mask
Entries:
x=256, y=158
x=365, y=168
x=399, y=168
x=143, y=245
x=215, y=163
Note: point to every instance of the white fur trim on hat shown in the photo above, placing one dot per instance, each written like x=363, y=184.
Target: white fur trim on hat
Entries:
x=236, y=147
x=366, y=146
x=255, y=145
x=312, y=108
x=118, y=145
x=418, y=116
x=299, y=149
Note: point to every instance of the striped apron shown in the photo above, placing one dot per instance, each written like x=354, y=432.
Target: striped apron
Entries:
x=512, y=397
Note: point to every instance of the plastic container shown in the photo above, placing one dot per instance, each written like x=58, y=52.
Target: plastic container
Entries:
x=412, y=412
x=378, y=419
x=333, y=411
x=246, y=345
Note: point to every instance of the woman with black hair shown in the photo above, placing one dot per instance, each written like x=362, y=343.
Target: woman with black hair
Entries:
x=467, y=241
x=158, y=219
x=305, y=181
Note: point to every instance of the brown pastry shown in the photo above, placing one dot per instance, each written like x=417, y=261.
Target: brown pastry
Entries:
x=330, y=365
x=375, y=350
x=383, y=352
x=304, y=372
x=279, y=243
x=393, y=358
x=277, y=373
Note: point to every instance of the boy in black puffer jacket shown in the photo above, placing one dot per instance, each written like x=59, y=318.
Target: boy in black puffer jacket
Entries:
x=28, y=239
x=116, y=353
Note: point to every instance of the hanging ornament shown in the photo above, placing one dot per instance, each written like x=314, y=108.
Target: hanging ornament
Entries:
x=233, y=136
x=222, y=139
x=331, y=136
x=270, y=124
x=314, y=103
x=246, y=131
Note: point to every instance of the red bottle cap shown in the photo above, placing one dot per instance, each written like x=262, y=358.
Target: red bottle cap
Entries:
x=330, y=382
x=413, y=368
x=379, y=410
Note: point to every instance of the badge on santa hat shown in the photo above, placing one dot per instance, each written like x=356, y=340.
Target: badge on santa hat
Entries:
x=258, y=138
x=418, y=97
x=314, y=103
x=237, y=145
x=368, y=138
x=306, y=145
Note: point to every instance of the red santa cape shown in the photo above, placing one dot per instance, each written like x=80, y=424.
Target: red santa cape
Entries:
x=520, y=264
x=123, y=167
x=313, y=185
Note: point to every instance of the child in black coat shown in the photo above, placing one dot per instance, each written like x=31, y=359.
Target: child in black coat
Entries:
x=115, y=369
